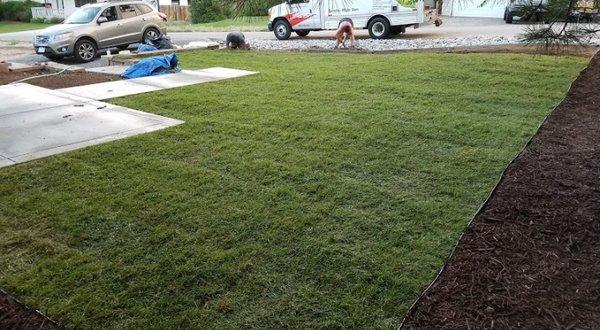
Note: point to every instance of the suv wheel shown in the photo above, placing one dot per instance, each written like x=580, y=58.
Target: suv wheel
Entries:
x=150, y=34
x=282, y=29
x=85, y=50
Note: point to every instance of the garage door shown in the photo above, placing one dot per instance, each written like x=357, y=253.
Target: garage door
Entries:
x=472, y=9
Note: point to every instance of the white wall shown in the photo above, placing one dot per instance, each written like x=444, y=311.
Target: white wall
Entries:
x=169, y=2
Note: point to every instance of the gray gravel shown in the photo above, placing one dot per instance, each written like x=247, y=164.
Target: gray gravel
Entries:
x=383, y=45
x=392, y=44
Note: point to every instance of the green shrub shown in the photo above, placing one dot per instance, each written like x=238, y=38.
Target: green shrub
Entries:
x=227, y=11
x=38, y=20
x=53, y=20
x=17, y=10
x=204, y=11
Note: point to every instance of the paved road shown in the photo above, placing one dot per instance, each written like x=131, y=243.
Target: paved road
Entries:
x=452, y=27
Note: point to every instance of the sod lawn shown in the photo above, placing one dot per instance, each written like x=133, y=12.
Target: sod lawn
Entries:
x=325, y=191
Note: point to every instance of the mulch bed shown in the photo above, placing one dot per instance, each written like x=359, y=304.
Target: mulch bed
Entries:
x=14, y=315
x=63, y=80
x=531, y=257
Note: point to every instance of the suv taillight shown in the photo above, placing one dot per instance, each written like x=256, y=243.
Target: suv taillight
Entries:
x=163, y=16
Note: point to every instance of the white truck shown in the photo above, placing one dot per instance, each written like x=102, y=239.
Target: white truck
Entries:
x=383, y=18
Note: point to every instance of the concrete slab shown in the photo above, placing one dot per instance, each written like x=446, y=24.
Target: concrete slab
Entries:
x=5, y=162
x=111, y=69
x=225, y=73
x=111, y=89
x=17, y=98
x=64, y=125
x=179, y=79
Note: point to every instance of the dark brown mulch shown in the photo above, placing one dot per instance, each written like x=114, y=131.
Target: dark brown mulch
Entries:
x=531, y=257
x=63, y=80
x=14, y=315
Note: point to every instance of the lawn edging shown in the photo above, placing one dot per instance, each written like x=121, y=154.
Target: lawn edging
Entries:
x=492, y=193
x=26, y=317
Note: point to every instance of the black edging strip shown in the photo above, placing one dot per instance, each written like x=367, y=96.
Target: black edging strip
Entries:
x=411, y=309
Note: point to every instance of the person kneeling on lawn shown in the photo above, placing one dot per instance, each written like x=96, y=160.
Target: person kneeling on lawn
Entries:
x=345, y=30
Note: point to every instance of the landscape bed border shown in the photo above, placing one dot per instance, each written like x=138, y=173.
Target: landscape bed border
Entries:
x=413, y=307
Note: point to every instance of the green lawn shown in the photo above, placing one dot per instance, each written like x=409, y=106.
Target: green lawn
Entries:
x=6, y=27
x=325, y=191
x=249, y=23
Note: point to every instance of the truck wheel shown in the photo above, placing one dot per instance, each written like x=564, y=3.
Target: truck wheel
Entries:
x=302, y=33
x=85, y=50
x=282, y=29
x=379, y=28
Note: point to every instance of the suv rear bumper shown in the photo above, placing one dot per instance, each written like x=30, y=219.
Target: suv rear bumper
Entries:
x=270, y=26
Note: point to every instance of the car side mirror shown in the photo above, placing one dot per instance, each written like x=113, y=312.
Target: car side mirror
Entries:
x=102, y=19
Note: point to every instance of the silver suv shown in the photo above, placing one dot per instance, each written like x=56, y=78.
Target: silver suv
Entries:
x=100, y=25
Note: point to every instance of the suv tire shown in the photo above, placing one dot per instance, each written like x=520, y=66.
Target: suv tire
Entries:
x=379, y=28
x=150, y=34
x=282, y=29
x=85, y=50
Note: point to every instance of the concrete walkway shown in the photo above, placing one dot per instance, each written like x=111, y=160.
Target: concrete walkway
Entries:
x=112, y=89
x=37, y=122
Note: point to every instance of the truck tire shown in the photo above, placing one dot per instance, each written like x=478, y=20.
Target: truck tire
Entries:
x=379, y=28
x=282, y=29
x=302, y=33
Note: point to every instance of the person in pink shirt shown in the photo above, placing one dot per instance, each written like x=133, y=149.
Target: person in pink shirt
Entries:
x=345, y=31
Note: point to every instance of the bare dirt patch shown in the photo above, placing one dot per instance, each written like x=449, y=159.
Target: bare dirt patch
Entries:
x=530, y=257
x=14, y=315
x=63, y=80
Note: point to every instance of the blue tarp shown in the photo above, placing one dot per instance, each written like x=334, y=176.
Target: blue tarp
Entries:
x=146, y=48
x=151, y=66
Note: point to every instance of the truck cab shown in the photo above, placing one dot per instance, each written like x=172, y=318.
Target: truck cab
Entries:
x=383, y=18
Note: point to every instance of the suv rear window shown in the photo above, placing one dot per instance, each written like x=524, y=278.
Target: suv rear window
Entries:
x=127, y=11
x=144, y=9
